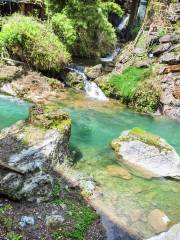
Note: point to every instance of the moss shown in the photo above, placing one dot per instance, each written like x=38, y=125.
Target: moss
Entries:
x=83, y=217
x=149, y=139
x=49, y=117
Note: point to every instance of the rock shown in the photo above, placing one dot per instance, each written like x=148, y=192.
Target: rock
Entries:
x=139, y=51
x=158, y=220
x=170, y=38
x=94, y=72
x=172, y=234
x=146, y=154
x=8, y=73
x=87, y=186
x=161, y=49
x=170, y=68
x=25, y=220
x=142, y=64
x=170, y=58
x=74, y=80
x=29, y=174
x=54, y=221
x=35, y=87
x=116, y=171
x=152, y=40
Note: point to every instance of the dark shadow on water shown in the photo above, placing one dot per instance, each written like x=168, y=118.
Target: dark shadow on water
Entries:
x=76, y=154
x=116, y=232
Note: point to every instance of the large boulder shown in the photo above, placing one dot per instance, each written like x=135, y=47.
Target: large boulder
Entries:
x=146, y=154
x=94, y=72
x=30, y=151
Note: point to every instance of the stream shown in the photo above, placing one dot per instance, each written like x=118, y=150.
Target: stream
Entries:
x=123, y=204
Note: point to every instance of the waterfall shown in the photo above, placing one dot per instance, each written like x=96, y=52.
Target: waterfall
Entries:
x=91, y=88
x=123, y=23
x=142, y=9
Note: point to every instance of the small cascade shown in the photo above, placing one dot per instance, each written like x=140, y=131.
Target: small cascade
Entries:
x=111, y=57
x=11, y=99
x=142, y=9
x=123, y=23
x=91, y=88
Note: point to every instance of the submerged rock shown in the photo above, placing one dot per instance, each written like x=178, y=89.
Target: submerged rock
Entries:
x=146, y=154
x=158, y=220
x=116, y=171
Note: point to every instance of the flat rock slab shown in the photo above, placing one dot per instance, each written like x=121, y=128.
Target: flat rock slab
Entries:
x=147, y=155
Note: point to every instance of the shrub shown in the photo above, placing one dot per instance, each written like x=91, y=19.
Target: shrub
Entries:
x=88, y=21
x=63, y=27
x=27, y=40
x=146, y=97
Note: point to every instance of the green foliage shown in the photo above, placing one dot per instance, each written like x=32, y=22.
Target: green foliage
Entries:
x=64, y=29
x=83, y=217
x=84, y=27
x=56, y=190
x=30, y=41
x=125, y=84
x=146, y=97
x=14, y=236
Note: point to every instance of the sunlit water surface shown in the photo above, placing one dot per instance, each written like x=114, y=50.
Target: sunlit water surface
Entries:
x=12, y=110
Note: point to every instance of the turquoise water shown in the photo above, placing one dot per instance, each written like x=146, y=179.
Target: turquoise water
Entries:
x=127, y=202
x=11, y=111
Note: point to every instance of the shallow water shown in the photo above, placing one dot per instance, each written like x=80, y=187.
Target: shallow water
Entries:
x=11, y=111
x=125, y=202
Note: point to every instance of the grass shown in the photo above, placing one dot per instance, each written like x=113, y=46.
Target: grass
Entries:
x=82, y=216
x=125, y=84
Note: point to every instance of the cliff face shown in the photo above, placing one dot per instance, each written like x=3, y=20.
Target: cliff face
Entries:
x=157, y=45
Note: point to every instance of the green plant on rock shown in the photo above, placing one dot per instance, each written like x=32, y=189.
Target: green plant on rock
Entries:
x=125, y=84
x=30, y=41
x=146, y=97
x=14, y=236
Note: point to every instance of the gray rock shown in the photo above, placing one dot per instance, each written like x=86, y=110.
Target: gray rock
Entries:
x=25, y=220
x=94, y=72
x=172, y=234
x=147, y=155
x=170, y=38
x=170, y=58
x=54, y=221
x=161, y=49
x=31, y=180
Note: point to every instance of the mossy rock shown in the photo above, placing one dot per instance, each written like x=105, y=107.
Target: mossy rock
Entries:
x=49, y=117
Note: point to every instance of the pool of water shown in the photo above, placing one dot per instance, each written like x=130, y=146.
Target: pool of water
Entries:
x=12, y=110
x=126, y=202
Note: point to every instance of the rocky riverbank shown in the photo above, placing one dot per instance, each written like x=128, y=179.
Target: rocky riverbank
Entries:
x=35, y=201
